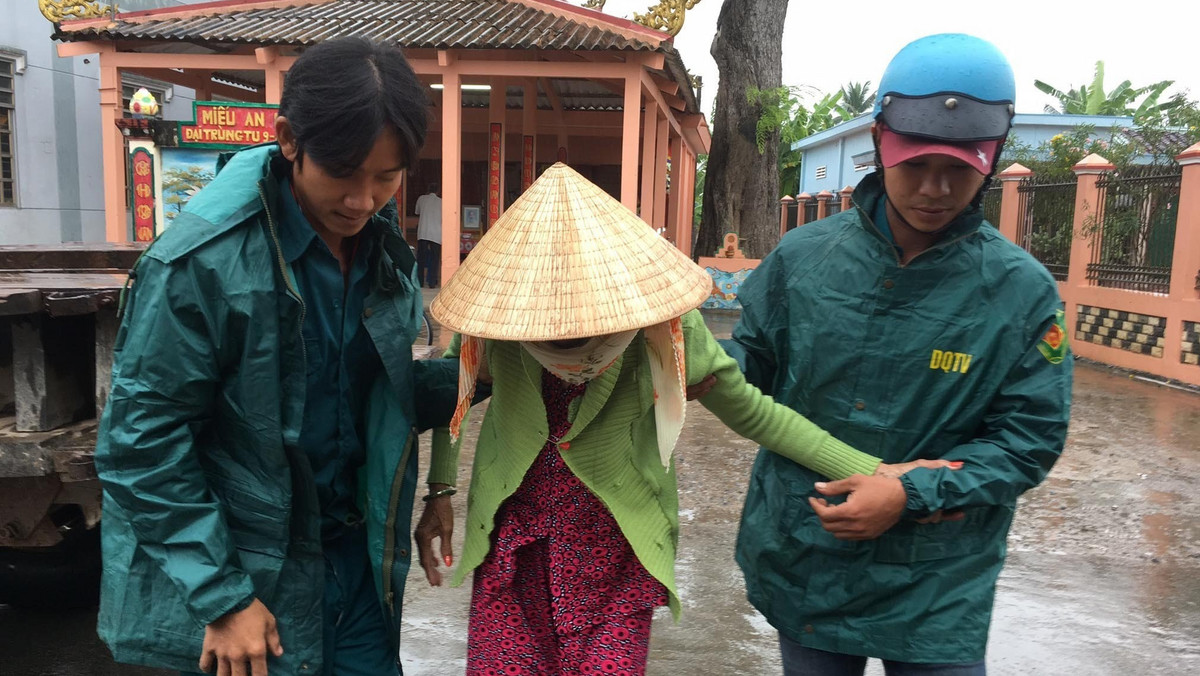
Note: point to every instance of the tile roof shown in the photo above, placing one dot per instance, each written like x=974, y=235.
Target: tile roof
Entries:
x=412, y=24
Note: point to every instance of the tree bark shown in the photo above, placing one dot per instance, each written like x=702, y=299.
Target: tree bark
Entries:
x=740, y=190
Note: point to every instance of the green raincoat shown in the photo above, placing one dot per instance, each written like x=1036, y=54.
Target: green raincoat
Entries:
x=207, y=499
x=958, y=354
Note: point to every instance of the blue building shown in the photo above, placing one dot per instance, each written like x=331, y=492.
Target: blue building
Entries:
x=51, y=188
x=840, y=156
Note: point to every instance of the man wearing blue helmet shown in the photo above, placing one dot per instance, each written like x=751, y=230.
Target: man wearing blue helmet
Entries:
x=909, y=328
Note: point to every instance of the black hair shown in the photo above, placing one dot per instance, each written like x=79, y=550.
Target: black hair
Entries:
x=339, y=96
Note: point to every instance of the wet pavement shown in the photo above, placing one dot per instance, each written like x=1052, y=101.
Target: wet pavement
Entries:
x=1103, y=575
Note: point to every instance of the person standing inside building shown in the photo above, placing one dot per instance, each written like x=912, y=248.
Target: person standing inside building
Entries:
x=429, y=238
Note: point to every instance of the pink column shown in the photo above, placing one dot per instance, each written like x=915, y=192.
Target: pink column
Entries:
x=1088, y=207
x=649, y=153
x=630, y=135
x=785, y=202
x=1185, y=265
x=112, y=147
x=451, y=172
x=1010, y=213
x=677, y=197
x=687, y=200
x=802, y=208
x=660, y=173
x=272, y=75
x=823, y=198
x=845, y=194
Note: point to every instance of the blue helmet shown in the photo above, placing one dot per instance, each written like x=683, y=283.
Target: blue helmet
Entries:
x=948, y=87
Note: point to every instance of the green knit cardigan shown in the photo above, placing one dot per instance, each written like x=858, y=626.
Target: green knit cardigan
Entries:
x=612, y=445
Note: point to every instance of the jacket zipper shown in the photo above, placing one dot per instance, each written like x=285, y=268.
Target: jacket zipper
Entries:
x=287, y=279
x=389, y=526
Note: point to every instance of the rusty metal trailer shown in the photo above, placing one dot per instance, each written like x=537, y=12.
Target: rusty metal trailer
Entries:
x=58, y=321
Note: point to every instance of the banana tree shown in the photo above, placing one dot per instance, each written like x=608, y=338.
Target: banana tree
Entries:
x=1093, y=100
x=827, y=112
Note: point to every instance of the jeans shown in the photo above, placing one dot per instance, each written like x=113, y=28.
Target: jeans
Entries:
x=429, y=263
x=801, y=661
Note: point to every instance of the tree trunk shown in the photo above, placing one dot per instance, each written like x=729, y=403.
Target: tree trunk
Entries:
x=741, y=188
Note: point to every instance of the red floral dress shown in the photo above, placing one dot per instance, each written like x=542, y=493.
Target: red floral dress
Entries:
x=561, y=592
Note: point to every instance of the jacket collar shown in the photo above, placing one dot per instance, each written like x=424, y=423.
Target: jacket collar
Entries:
x=295, y=232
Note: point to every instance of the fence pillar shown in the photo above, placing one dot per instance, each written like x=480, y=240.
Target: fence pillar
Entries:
x=785, y=202
x=1010, y=200
x=1088, y=208
x=823, y=198
x=1185, y=263
x=845, y=194
x=802, y=208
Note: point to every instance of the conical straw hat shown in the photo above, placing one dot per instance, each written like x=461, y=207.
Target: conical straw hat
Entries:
x=568, y=261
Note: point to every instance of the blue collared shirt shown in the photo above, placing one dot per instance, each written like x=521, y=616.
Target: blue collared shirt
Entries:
x=341, y=360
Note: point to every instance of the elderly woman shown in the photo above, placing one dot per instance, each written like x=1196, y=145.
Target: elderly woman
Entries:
x=584, y=321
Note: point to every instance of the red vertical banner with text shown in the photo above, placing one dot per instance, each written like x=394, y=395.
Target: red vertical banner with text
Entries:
x=526, y=162
x=142, y=183
x=495, y=166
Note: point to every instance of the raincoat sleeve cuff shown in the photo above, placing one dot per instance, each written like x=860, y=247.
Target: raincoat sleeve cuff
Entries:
x=231, y=595
x=839, y=460
x=443, y=458
x=915, y=504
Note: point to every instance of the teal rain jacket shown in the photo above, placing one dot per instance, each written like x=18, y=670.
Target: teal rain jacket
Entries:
x=957, y=354
x=207, y=500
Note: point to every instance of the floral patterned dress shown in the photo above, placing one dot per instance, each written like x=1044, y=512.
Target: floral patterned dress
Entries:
x=561, y=591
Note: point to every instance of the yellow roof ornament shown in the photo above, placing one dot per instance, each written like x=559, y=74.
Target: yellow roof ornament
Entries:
x=57, y=10
x=667, y=15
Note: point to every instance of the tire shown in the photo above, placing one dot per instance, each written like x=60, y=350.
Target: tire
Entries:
x=425, y=330
x=64, y=576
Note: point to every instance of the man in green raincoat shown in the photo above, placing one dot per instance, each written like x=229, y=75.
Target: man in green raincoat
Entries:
x=258, y=449
x=909, y=328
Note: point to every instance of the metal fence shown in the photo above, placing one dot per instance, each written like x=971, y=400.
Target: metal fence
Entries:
x=810, y=211
x=1134, y=233
x=1046, y=219
x=991, y=203
x=789, y=219
x=835, y=205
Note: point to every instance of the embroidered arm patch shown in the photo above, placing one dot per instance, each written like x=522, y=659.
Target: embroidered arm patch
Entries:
x=1053, y=345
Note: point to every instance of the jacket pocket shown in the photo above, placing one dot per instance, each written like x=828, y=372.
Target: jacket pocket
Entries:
x=255, y=524
x=912, y=543
x=798, y=520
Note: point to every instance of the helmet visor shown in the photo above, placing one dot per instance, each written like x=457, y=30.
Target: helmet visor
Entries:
x=947, y=116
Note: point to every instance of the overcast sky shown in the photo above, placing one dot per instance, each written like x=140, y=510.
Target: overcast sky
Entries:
x=826, y=44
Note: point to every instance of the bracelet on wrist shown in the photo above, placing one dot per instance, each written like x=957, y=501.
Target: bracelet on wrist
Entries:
x=447, y=492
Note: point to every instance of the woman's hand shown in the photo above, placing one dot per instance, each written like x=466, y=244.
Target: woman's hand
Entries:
x=437, y=521
x=894, y=471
